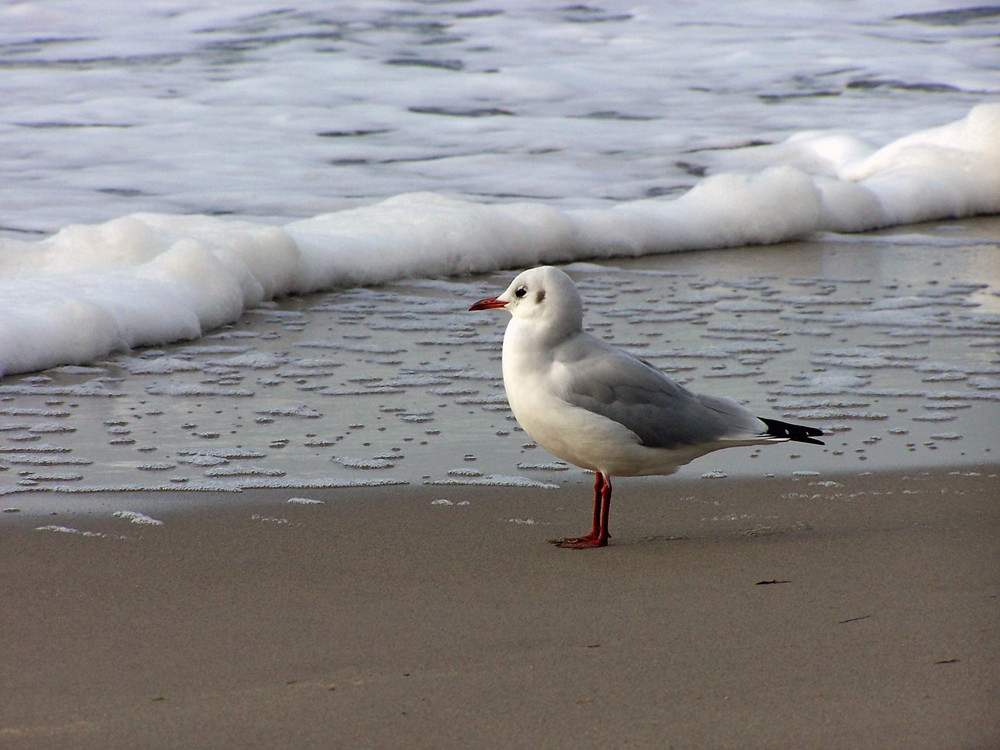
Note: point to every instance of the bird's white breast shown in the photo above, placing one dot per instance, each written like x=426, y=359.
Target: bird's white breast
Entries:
x=574, y=434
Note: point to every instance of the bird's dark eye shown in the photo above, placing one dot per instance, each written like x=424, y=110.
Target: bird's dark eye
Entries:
x=521, y=291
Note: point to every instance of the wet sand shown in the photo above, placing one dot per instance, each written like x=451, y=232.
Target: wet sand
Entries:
x=844, y=596
x=852, y=611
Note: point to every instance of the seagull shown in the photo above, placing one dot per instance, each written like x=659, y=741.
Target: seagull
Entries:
x=605, y=410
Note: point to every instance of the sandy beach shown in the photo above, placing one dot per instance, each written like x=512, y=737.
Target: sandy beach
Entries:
x=857, y=611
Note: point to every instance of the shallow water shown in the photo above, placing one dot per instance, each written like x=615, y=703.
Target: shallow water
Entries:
x=218, y=156
x=887, y=341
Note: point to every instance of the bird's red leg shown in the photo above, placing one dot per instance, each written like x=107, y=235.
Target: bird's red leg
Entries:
x=595, y=527
x=604, y=533
x=598, y=536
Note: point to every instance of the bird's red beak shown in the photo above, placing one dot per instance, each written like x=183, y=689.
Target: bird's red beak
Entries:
x=488, y=304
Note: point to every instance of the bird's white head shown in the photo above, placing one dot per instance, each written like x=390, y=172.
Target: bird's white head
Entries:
x=543, y=296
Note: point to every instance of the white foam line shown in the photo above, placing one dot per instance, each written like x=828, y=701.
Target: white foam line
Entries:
x=147, y=279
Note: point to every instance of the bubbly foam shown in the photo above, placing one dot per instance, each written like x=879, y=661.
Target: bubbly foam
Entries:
x=150, y=279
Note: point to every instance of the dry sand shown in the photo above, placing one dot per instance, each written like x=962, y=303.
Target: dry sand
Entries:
x=847, y=612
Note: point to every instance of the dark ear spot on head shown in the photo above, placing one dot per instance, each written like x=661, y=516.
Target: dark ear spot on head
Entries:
x=539, y=296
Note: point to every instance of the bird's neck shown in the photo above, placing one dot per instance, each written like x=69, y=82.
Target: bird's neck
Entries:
x=525, y=338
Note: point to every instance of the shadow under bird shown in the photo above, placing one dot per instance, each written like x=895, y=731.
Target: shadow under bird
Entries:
x=603, y=409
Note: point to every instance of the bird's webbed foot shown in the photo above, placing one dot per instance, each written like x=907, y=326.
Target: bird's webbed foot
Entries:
x=580, y=542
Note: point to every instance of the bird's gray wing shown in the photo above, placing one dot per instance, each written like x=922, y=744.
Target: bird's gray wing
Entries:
x=593, y=375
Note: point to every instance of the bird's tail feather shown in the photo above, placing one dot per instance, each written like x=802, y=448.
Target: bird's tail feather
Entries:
x=795, y=432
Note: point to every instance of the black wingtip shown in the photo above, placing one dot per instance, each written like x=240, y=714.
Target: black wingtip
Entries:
x=794, y=432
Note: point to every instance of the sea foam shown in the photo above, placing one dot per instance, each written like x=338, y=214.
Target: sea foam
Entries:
x=149, y=279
